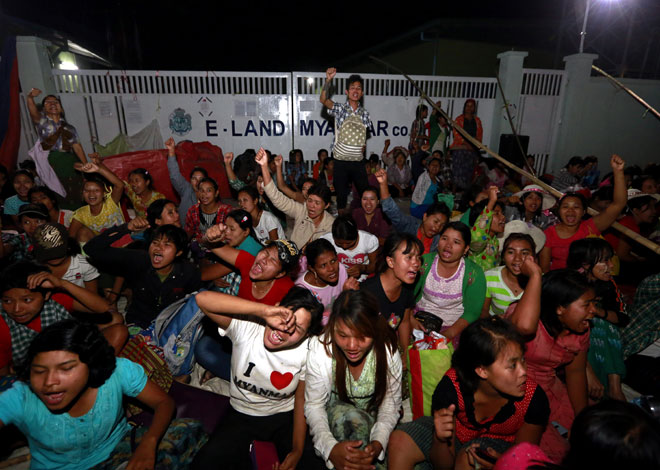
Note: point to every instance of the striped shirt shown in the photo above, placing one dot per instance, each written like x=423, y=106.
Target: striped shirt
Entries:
x=499, y=293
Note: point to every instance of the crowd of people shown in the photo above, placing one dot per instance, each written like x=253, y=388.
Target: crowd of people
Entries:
x=313, y=285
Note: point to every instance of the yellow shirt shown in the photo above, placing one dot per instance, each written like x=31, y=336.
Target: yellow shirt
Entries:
x=109, y=216
x=138, y=205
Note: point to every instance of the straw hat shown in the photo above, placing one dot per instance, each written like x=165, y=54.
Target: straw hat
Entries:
x=520, y=226
x=548, y=200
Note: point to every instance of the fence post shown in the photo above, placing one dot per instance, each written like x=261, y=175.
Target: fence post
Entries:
x=573, y=110
x=511, y=75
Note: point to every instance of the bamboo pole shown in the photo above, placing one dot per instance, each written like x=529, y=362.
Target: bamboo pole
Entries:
x=627, y=90
x=625, y=230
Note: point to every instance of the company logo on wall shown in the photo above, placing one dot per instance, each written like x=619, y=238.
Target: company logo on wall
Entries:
x=180, y=122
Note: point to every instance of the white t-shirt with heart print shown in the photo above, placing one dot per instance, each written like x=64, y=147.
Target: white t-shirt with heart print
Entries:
x=263, y=382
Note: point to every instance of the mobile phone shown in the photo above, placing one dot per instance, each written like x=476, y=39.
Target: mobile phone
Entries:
x=483, y=454
x=563, y=432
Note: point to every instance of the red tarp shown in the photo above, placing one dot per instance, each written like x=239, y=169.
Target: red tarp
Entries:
x=188, y=155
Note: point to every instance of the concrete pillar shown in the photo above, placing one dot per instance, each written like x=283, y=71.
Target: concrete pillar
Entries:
x=510, y=73
x=34, y=65
x=573, y=109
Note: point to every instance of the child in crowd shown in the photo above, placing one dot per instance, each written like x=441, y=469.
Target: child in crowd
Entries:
x=351, y=124
x=311, y=219
x=102, y=210
x=158, y=276
x=265, y=224
x=187, y=189
x=592, y=257
x=72, y=386
x=22, y=181
x=357, y=250
x=139, y=189
x=353, y=384
x=295, y=171
x=19, y=247
x=393, y=283
x=506, y=284
x=484, y=404
x=29, y=305
x=426, y=188
x=326, y=276
x=322, y=154
x=268, y=374
x=45, y=196
x=433, y=220
x=208, y=212
x=571, y=227
x=486, y=226
x=532, y=205
x=369, y=216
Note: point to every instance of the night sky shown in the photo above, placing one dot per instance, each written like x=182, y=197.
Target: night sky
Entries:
x=195, y=35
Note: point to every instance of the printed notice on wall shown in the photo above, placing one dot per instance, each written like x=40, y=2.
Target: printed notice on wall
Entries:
x=133, y=112
x=105, y=108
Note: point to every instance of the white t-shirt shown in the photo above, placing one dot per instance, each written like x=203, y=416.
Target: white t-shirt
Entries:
x=80, y=271
x=262, y=382
x=367, y=243
x=268, y=222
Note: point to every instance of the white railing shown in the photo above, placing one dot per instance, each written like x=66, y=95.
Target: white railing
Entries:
x=542, y=82
x=170, y=82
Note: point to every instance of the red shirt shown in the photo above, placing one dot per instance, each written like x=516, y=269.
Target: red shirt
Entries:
x=613, y=236
x=280, y=287
x=5, y=338
x=559, y=246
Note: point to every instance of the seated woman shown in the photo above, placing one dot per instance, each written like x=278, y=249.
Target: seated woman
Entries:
x=487, y=221
x=357, y=250
x=451, y=286
x=554, y=315
x=47, y=197
x=69, y=405
x=208, y=212
x=531, y=205
x=592, y=257
x=265, y=224
x=311, y=219
x=102, y=210
x=163, y=212
x=426, y=188
x=369, y=216
x=325, y=277
x=353, y=384
x=399, y=176
x=268, y=371
x=139, y=189
x=433, y=220
x=505, y=284
x=22, y=181
x=484, y=404
x=571, y=227
x=392, y=285
x=158, y=276
x=238, y=234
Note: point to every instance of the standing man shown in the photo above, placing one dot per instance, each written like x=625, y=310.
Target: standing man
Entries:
x=351, y=123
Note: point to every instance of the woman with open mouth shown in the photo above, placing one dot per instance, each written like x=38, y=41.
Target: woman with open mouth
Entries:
x=69, y=405
x=571, y=227
x=451, y=286
x=353, y=384
x=554, y=314
x=483, y=405
x=267, y=390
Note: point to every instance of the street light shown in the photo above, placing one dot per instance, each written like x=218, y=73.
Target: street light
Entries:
x=583, y=33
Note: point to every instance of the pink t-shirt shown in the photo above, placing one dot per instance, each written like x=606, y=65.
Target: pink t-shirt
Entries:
x=326, y=295
x=559, y=246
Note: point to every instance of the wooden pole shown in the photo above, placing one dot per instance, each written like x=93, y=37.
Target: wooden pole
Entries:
x=558, y=194
x=627, y=90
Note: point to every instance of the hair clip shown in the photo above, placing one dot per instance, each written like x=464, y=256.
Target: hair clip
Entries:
x=244, y=219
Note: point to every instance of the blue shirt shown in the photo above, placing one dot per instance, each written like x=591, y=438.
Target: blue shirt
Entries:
x=12, y=204
x=58, y=441
x=250, y=245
